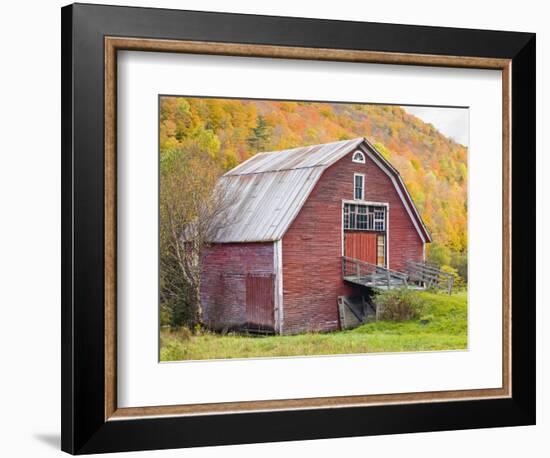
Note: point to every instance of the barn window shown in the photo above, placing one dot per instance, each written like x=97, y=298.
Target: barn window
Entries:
x=359, y=157
x=361, y=217
x=379, y=220
x=359, y=186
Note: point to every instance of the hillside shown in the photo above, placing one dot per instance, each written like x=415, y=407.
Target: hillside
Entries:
x=433, y=166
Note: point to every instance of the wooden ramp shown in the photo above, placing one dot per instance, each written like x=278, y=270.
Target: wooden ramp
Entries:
x=372, y=276
x=419, y=275
x=429, y=275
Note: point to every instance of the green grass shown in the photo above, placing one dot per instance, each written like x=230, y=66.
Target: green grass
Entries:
x=443, y=325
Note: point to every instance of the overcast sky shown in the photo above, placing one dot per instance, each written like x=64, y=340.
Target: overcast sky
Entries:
x=451, y=122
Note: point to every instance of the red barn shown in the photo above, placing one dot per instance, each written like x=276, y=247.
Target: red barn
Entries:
x=295, y=215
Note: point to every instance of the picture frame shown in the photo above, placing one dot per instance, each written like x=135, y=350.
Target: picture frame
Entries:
x=92, y=35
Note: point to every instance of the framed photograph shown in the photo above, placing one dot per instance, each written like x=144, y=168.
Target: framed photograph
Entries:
x=283, y=228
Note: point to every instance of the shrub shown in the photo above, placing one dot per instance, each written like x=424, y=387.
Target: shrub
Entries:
x=165, y=316
x=460, y=263
x=458, y=281
x=398, y=305
x=182, y=333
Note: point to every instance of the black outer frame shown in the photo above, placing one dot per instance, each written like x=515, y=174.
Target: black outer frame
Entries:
x=84, y=429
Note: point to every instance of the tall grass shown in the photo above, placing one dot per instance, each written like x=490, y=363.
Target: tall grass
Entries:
x=442, y=324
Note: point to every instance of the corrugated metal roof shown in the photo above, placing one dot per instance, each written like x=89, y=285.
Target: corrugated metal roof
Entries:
x=296, y=158
x=265, y=203
x=269, y=190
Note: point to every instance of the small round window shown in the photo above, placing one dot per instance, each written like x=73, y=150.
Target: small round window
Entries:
x=358, y=156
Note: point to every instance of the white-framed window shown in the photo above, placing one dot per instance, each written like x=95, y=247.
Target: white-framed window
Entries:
x=364, y=217
x=359, y=157
x=358, y=186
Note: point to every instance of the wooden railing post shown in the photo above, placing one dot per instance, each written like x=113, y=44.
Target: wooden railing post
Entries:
x=451, y=282
x=343, y=266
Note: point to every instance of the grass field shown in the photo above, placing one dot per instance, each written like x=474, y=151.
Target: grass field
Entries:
x=443, y=325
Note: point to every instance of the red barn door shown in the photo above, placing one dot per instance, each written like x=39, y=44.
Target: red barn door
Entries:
x=360, y=245
x=260, y=301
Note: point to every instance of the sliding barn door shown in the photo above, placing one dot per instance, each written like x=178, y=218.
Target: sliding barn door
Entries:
x=361, y=245
x=260, y=301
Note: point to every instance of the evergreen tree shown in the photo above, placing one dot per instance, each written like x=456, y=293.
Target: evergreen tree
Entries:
x=260, y=135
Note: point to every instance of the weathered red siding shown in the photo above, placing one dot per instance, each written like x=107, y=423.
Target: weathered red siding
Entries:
x=312, y=246
x=225, y=269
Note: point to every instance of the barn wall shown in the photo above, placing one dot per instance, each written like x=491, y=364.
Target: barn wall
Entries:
x=312, y=246
x=404, y=241
x=224, y=278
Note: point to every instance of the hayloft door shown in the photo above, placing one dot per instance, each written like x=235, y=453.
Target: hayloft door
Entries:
x=361, y=245
x=365, y=232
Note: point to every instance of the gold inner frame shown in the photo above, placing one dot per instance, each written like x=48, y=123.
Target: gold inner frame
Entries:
x=114, y=44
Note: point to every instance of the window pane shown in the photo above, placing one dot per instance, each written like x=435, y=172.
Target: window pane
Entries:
x=358, y=157
x=358, y=189
x=364, y=217
x=381, y=251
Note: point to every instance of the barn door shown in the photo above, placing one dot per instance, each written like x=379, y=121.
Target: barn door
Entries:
x=361, y=245
x=260, y=301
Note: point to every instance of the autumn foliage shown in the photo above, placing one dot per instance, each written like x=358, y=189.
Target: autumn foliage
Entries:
x=433, y=166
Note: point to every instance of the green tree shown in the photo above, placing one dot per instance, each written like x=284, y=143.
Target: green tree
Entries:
x=439, y=254
x=260, y=136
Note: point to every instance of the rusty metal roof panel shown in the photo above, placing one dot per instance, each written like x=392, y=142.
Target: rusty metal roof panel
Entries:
x=265, y=204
